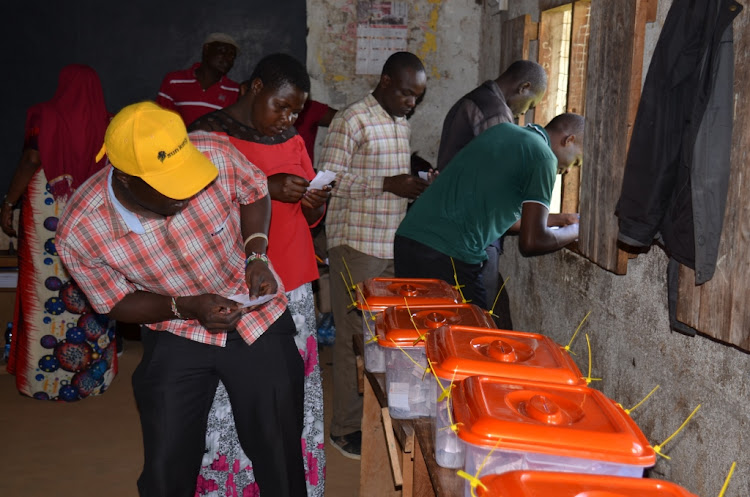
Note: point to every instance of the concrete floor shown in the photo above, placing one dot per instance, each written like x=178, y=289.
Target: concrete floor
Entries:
x=342, y=473
x=93, y=447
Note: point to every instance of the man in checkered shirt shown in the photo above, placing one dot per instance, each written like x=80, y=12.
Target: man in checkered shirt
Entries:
x=157, y=238
x=367, y=146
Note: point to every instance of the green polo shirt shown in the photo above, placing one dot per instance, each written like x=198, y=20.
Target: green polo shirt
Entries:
x=479, y=195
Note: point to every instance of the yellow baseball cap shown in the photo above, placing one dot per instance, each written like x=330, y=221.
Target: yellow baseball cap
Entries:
x=151, y=143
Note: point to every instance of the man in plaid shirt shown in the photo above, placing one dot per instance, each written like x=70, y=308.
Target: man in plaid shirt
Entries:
x=157, y=238
x=367, y=146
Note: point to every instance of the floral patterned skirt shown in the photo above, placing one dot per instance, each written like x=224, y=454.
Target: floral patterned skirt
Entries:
x=226, y=470
x=61, y=349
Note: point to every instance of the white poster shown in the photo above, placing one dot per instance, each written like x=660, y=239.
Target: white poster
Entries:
x=381, y=31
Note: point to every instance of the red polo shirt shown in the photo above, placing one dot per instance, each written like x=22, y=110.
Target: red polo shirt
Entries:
x=180, y=91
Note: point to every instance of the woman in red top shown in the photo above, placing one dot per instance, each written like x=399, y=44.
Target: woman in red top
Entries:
x=260, y=125
x=61, y=350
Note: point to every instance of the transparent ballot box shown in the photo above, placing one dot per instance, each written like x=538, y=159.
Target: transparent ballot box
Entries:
x=377, y=294
x=528, y=425
x=537, y=483
x=456, y=352
x=401, y=331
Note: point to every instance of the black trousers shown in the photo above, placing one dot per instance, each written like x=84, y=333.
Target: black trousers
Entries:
x=412, y=259
x=174, y=387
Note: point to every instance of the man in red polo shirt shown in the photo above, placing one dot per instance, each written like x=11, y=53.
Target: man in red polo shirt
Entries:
x=204, y=87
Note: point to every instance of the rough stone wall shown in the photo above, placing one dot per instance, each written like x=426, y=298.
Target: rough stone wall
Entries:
x=633, y=350
x=445, y=34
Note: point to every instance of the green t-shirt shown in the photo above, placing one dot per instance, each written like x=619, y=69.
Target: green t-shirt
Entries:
x=479, y=195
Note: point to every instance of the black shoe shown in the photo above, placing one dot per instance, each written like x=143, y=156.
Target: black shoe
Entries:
x=349, y=445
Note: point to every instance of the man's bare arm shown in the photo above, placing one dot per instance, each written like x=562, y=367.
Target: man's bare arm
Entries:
x=536, y=237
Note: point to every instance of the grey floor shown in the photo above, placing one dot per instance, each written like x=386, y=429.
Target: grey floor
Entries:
x=93, y=447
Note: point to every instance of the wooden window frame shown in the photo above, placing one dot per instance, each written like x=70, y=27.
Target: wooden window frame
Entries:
x=576, y=84
x=613, y=86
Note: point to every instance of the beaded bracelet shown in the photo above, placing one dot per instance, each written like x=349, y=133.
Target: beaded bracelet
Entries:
x=254, y=256
x=174, y=309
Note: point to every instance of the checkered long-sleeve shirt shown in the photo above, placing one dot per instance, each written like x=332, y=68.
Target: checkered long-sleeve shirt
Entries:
x=197, y=251
x=363, y=146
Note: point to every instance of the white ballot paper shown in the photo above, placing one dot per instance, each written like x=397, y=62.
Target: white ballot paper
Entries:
x=246, y=301
x=321, y=179
x=423, y=175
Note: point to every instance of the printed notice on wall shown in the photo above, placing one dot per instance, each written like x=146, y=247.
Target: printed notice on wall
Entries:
x=381, y=31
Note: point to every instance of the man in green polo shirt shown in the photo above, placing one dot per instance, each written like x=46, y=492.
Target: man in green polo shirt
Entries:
x=503, y=183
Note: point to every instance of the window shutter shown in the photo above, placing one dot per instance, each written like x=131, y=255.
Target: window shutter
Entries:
x=612, y=92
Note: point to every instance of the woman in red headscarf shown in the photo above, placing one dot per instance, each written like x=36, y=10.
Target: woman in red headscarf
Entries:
x=61, y=349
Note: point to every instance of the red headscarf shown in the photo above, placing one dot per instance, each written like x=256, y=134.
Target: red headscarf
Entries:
x=71, y=129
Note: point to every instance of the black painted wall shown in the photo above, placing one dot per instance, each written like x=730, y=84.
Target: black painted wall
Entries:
x=132, y=44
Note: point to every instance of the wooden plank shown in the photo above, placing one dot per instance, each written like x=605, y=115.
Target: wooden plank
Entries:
x=551, y=4
x=576, y=91
x=719, y=307
x=579, y=47
x=735, y=258
x=644, y=12
x=407, y=469
x=422, y=477
x=422, y=486
x=393, y=452
x=360, y=373
x=402, y=427
x=530, y=32
x=515, y=37
x=651, y=8
x=571, y=190
x=610, y=60
x=8, y=261
x=445, y=482
x=549, y=58
x=407, y=429
x=374, y=466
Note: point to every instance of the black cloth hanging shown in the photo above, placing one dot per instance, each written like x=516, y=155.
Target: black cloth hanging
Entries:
x=676, y=174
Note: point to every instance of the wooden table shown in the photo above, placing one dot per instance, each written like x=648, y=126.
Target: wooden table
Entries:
x=414, y=452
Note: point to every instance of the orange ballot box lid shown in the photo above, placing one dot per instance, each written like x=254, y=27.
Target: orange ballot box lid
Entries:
x=376, y=294
x=570, y=421
x=402, y=325
x=545, y=484
x=457, y=351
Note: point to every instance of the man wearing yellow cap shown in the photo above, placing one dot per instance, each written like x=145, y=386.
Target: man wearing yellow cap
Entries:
x=163, y=237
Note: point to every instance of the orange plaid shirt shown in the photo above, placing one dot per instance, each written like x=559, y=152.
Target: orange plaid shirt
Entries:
x=196, y=251
x=364, y=145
